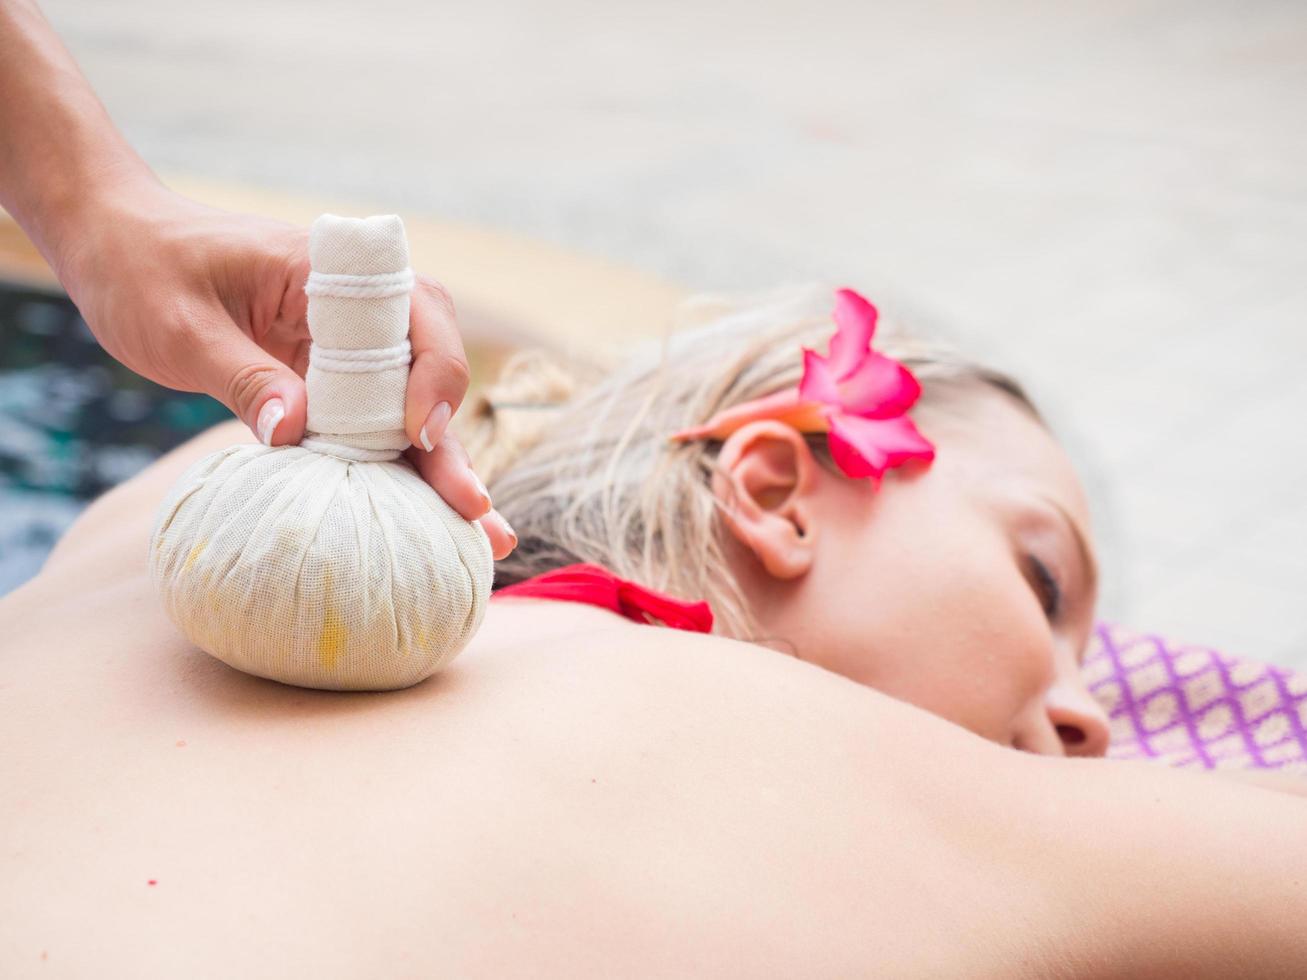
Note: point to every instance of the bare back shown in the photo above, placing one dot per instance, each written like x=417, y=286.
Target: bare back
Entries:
x=575, y=795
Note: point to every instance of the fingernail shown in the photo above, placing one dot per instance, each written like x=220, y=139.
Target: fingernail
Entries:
x=434, y=427
x=508, y=528
x=481, y=487
x=270, y=416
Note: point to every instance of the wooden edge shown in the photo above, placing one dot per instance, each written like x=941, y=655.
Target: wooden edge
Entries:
x=20, y=262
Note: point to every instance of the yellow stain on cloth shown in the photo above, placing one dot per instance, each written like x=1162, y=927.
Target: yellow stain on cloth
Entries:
x=194, y=555
x=418, y=640
x=334, y=636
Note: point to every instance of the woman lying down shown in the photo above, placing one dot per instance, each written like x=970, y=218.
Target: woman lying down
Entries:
x=876, y=598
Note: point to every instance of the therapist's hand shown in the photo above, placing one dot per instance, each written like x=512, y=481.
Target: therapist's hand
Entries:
x=192, y=297
x=204, y=300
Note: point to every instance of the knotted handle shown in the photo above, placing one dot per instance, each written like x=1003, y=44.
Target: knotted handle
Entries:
x=358, y=293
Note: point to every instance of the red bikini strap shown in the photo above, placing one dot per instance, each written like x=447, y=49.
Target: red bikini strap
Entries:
x=597, y=586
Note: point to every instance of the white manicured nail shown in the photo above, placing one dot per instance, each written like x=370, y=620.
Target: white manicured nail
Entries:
x=497, y=518
x=435, y=424
x=481, y=486
x=270, y=416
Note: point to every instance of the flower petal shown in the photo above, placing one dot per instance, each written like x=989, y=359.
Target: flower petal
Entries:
x=878, y=388
x=868, y=447
x=819, y=382
x=855, y=324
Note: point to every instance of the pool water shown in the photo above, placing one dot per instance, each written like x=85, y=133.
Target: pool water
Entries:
x=73, y=423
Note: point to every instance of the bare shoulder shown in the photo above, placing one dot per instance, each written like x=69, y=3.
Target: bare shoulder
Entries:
x=577, y=795
x=574, y=796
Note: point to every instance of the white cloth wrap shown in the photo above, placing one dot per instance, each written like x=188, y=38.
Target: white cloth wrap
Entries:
x=358, y=314
x=304, y=564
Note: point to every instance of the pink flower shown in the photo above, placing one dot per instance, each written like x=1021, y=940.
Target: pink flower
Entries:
x=857, y=396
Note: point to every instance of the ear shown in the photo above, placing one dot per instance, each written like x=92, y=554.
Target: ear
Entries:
x=764, y=480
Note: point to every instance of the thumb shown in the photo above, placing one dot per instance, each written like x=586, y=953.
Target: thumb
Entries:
x=263, y=392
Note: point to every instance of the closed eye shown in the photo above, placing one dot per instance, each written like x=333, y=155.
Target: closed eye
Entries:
x=1045, y=586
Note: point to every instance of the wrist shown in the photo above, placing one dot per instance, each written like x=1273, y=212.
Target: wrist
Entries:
x=98, y=218
x=94, y=201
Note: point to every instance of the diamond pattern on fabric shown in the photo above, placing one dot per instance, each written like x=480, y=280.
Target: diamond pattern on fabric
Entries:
x=1194, y=706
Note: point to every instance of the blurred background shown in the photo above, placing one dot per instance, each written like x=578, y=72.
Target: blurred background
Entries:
x=1108, y=198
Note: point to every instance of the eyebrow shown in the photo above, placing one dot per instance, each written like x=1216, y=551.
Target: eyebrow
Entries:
x=1087, y=565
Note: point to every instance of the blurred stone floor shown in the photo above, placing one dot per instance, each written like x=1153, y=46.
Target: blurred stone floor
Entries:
x=1109, y=198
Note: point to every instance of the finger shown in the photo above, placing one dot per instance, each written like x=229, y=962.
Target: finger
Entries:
x=438, y=378
x=447, y=469
x=260, y=390
x=503, y=539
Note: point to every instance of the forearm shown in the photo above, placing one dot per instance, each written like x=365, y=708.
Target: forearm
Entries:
x=59, y=151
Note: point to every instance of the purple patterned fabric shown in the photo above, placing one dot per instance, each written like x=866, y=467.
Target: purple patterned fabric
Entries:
x=1193, y=706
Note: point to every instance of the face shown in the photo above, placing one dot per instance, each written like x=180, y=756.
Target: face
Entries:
x=966, y=588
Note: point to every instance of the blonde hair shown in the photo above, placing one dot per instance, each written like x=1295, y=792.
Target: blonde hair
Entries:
x=583, y=468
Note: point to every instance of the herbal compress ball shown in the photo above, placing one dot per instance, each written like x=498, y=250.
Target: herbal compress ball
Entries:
x=331, y=564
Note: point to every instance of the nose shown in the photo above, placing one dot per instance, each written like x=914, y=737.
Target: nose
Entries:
x=1080, y=721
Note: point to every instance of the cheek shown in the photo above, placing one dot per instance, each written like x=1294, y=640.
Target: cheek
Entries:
x=999, y=658
x=941, y=618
